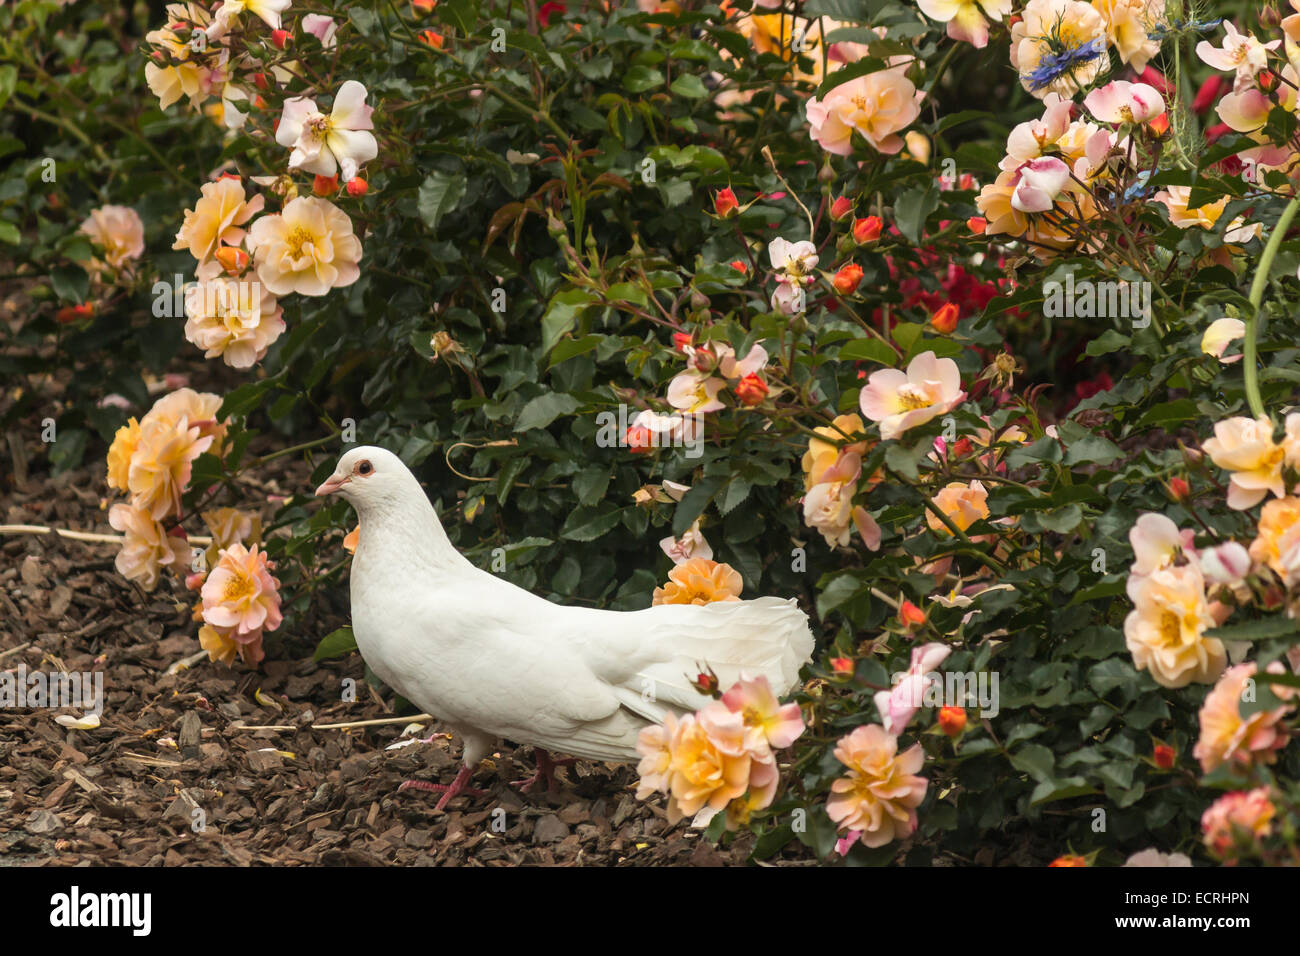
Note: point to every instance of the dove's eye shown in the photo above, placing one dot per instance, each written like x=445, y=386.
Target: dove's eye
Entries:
x=365, y=468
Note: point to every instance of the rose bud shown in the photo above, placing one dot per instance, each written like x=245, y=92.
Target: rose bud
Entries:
x=751, y=390
x=432, y=38
x=944, y=320
x=952, y=720
x=910, y=615
x=1267, y=80
x=681, y=340
x=325, y=185
x=233, y=259
x=1069, y=860
x=638, y=440
x=739, y=266
x=868, y=229
x=842, y=665
x=706, y=683
x=977, y=224
x=703, y=360
x=1179, y=489
x=841, y=208
x=280, y=38
x=848, y=279
x=259, y=79
x=1163, y=755
x=725, y=204
x=74, y=313
x=358, y=186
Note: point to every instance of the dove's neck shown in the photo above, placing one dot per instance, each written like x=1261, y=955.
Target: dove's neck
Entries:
x=406, y=533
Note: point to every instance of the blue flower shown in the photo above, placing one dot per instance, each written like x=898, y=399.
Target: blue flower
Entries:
x=1055, y=65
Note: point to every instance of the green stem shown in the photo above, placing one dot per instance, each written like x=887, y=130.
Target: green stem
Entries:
x=1257, y=288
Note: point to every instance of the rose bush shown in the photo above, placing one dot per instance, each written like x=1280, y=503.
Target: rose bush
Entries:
x=965, y=323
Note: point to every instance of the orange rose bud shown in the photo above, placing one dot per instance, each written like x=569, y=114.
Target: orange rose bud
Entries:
x=848, y=279
x=952, y=720
x=966, y=181
x=1069, y=860
x=74, y=313
x=260, y=80
x=841, y=208
x=358, y=186
x=1267, y=80
x=911, y=615
x=424, y=5
x=1179, y=489
x=751, y=390
x=638, y=440
x=233, y=259
x=725, y=203
x=280, y=38
x=962, y=448
x=431, y=38
x=1160, y=125
x=842, y=665
x=1164, y=756
x=739, y=266
x=977, y=224
x=325, y=185
x=681, y=340
x=867, y=230
x=944, y=320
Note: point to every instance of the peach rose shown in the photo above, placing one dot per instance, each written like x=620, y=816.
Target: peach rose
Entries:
x=1131, y=26
x=963, y=504
x=1165, y=632
x=217, y=218
x=241, y=595
x=120, y=452
x=222, y=647
x=700, y=581
x=309, y=248
x=1277, y=535
x=146, y=547
x=200, y=409
x=161, y=466
x=118, y=231
x=1240, y=817
x=1245, y=447
x=705, y=771
x=879, y=795
x=1228, y=737
x=876, y=105
x=233, y=319
x=1045, y=29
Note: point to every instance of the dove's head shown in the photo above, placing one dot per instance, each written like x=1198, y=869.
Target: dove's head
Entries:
x=369, y=477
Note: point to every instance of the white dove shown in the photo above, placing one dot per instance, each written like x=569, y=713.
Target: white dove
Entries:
x=492, y=660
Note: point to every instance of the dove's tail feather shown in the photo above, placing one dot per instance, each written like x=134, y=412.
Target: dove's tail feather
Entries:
x=767, y=636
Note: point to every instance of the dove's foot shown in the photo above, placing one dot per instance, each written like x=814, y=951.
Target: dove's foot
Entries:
x=545, y=771
x=455, y=789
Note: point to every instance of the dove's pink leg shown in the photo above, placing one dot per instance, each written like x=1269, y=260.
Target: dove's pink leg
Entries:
x=456, y=788
x=545, y=771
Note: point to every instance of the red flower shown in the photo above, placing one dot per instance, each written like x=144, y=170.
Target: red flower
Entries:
x=977, y=224
x=751, y=390
x=952, y=720
x=638, y=440
x=358, y=186
x=325, y=185
x=548, y=8
x=280, y=38
x=75, y=313
x=944, y=320
x=681, y=340
x=431, y=38
x=867, y=230
x=911, y=615
x=1163, y=755
x=739, y=266
x=848, y=279
x=841, y=208
x=1179, y=489
x=1208, y=94
x=725, y=203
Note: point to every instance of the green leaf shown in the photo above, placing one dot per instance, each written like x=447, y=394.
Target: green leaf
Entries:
x=70, y=283
x=562, y=314
x=871, y=349
x=338, y=643
x=439, y=194
x=1262, y=630
x=8, y=81
x=590, y=523
x=689, y=86
x=639, y=79
x=913, y=208
x=544, y=409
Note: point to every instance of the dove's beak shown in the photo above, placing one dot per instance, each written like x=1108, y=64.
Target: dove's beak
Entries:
x=332, y=484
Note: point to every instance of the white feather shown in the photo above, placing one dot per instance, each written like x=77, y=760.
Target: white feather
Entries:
x=493, y=660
